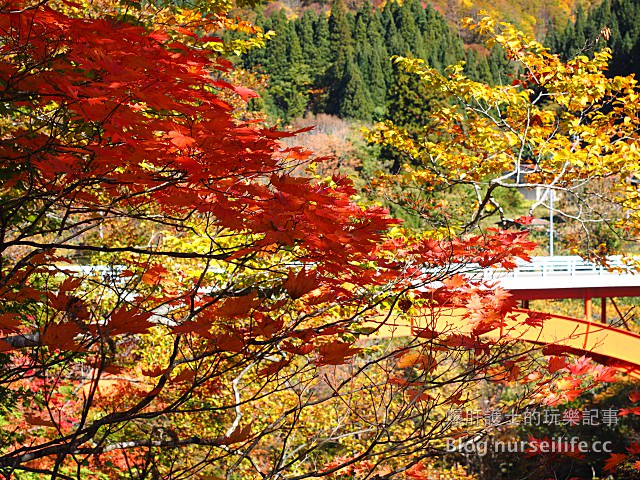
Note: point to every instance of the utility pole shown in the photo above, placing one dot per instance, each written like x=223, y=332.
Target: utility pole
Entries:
x=551, y=195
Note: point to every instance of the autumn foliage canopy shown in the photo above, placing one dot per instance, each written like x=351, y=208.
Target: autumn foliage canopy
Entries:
x=180, y=295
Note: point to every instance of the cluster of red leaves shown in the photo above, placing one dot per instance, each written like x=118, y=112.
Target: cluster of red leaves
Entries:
x=497, y=248
x=575, y=377
x=143, y=125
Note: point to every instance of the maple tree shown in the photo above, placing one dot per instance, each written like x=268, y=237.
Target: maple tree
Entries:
x=179, y=297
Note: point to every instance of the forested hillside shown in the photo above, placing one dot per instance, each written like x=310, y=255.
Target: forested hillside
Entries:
x=338, y=63
x=341, y=64
x=614, y=24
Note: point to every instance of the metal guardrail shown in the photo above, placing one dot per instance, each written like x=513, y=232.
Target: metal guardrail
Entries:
x=538, y=267
x=108, y=273
x=569, y=265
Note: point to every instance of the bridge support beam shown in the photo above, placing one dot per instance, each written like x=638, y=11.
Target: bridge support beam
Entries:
x=603, y=309
x=588, y=309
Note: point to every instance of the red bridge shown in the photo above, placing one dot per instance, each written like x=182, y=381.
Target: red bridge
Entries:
x=555, y=278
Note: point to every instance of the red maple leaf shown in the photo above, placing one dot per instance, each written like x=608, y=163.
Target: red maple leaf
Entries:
x=9, y=322
x=335, y=353
x=418, y=472
x=61, y=335
x=613, y=461
x=230, y=342
x=179, y=139
x=237, y=306
x=581, y=366
x=298, y=284
x=125, y=320
x=556, y=363
x=245, y=93
x=629, y=411
x=455, y=281
x=536, y=319
x=604, y=374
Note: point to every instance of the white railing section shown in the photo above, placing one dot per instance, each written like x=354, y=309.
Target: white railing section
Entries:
x=107, y=273
x=562, y=266
x=540, y=272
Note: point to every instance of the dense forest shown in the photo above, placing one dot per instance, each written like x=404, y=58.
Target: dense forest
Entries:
x=341, y=64
x=337, y=66
x=614, y=24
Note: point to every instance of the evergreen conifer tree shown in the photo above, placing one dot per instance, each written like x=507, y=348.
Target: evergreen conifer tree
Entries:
x=305, y=27
x=322, y=46
x=408, y=31
x=341, y=51
x=355, y=100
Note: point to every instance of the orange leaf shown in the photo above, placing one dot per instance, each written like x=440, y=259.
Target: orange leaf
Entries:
x=41, y=422
x=297, y=285
x=154, y=372
x=184, y=376
x=455, y=281
x=238, y=435
x=335, y=353
x=232, y=307
x=318, y=296
x=408, y=359
x=425, y=362
x=179, y=139
x=556, y=363
x=613, y=461
x=154, y=275
x=418, y=472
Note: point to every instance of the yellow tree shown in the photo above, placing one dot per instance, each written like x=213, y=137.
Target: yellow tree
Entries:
x=563, y=129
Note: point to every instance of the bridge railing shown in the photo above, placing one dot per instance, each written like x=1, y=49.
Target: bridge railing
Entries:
x=569, y=265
